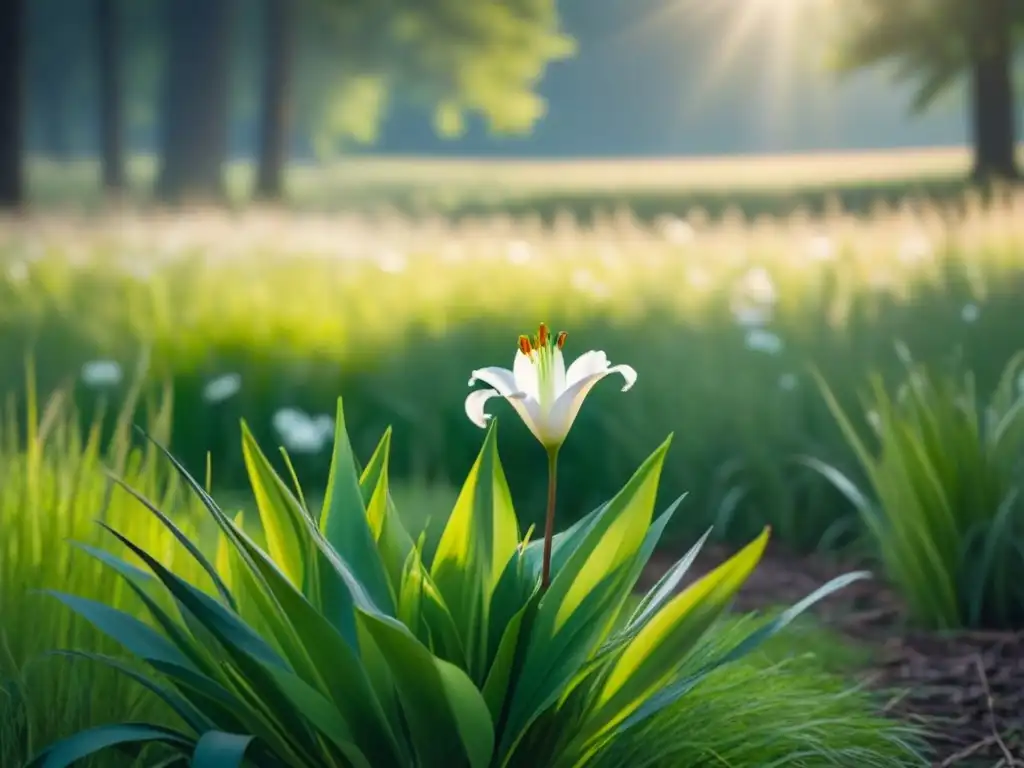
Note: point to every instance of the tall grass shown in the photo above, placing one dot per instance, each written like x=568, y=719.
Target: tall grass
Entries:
x=54, y=489
x=721, y=320
x=944, y=508
x=780, y=707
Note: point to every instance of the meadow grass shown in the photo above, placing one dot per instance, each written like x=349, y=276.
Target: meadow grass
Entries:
x=721, y=319
x=55, y=489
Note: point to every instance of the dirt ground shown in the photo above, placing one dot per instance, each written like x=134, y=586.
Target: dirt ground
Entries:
x=965, y=688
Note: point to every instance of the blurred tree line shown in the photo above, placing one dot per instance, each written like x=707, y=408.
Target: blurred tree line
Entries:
x=191, y=80
x=284, y=78
x=938, y=42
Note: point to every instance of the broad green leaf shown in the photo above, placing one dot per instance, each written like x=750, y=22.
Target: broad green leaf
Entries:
x=344, y=527
x=320, y=713
x=393, y=541
x=85, y=743
x=479, y=539
x=577, y=610
x=613, y=539
x=339, y=671
x=500, y=676
x=656, y=597
x=182, y=707
x=658, y=649
x=137, y=637
x=226, y=626
x=216, y=749
x=447, y=716
x=280, y=514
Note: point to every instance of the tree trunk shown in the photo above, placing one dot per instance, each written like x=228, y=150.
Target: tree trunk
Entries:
x=195, y=118
x=12, y=103
x=994, y=129
x=108, y=48
x=275, y=115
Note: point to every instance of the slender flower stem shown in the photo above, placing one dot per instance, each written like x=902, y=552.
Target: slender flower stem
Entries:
x=549, y=522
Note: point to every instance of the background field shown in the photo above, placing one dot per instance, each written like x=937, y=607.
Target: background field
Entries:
x=649, y=187
x=724, y=317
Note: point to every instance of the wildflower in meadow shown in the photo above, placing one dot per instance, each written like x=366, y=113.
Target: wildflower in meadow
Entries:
x=101, y=373
x=222, y=388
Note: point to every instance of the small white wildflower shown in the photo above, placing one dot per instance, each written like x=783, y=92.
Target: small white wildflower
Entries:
x=392, y=262
x=678, y=232
x=788, y=382
x=287, y=418
x=303, y=438
x=760, y=340
x=752, y=316
x=222, y=388
x=325, y=424
x=821, y=248
x=915, y=248
x=518, y=252
x=101, y=373
x=300, y=433
x=758, y=285
x=970, y=313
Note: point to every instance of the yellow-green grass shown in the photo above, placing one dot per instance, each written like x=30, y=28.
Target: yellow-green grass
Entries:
x=54, y=490
x=394, y=314
x=651, y=186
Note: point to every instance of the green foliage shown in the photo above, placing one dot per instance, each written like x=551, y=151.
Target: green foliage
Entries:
x=930, y=41
x=339, y=645
x=783, y=705
x=949, y=519
x=54, y=487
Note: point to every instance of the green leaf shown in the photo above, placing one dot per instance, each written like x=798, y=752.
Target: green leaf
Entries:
x=478, y=540
x=447, y=716
x=216, y=749
x=657, y=651
x=280, y=514
x=189, y=714
x=87, y=743
x=393, y=540
x=666, y=586
x=192, y=549
x=139, y=638
x=500, y=678
x=340, y=672
x=672, y=693
x=576, y=611
x=344, y=526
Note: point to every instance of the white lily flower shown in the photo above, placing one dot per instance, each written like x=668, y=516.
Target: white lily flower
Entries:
x=545, y=394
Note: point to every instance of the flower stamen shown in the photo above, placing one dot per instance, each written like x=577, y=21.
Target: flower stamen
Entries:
x=524, y=346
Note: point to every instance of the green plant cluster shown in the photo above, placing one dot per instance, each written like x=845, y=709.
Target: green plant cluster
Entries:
x=339, y=645
x=944, y=509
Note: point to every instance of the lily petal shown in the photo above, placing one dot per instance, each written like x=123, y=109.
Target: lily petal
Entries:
x=527, y=408
x=559, y=371
x=475, y=402
x=525, y=375
x=585, y=365
x=501, y=379
x=568, y=404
